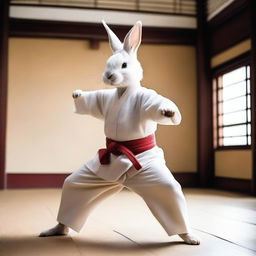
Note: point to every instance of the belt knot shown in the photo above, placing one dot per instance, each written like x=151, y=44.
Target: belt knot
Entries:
x=128, y=148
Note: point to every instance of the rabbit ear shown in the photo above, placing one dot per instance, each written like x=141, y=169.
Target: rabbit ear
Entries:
x=133, y=38
x=115, y=43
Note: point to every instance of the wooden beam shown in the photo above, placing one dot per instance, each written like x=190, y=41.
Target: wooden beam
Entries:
x=4, y=21
x=36, y=180
x=94, y=44
x=228, y=13
x=51, y=180
x=233, y=184
x=224, y=27
x=253, y=91
x=95, y=31
x=205, y=150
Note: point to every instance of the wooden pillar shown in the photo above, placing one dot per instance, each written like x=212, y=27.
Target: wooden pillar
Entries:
x=204, y=98
x=253, y=91
x=4, y=22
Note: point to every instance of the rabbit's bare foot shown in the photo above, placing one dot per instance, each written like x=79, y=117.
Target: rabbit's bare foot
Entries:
x=58, y=230
x=168, y=113
x=76, y=93
x=190, y=239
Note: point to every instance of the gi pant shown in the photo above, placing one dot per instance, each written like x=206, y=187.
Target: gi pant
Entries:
x=83, y=190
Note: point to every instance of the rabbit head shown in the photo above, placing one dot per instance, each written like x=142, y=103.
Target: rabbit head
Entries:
x=123, y=69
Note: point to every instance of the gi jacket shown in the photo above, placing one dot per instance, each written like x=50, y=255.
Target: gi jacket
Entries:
x=131, y=116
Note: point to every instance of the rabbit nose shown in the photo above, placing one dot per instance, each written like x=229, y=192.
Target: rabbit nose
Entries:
x=109, y=76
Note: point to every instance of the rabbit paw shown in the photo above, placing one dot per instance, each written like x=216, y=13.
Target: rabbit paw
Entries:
x=76, y=93
x=58, y=230
x=168, y=113
x=190, y=239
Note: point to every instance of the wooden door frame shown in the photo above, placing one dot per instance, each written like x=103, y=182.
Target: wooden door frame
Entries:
x=4, y=34
x=205, y=152
x=253, y=91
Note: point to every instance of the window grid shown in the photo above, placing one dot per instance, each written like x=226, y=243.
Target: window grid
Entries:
x=173, y=7
x=220, y=128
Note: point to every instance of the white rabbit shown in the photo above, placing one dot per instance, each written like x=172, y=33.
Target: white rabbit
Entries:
x=131, y=114
x=123, y=68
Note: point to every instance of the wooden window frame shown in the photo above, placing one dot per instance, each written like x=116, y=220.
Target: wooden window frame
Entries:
x=240, y=61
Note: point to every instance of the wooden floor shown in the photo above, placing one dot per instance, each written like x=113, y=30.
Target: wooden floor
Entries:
x=122, y=225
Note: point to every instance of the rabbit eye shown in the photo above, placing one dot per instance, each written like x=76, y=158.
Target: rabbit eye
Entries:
x=124, y=65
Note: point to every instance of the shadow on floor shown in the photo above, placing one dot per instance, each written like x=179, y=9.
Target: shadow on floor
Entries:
x=122, y=245
x=31, y=245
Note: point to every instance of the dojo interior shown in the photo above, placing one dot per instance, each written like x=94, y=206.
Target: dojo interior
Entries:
x=200, y=54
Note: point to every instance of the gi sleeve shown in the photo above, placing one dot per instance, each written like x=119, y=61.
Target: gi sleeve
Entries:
x=154, y=104
x=90, y=103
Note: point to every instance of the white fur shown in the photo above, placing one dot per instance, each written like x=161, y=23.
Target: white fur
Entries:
x=123, y=77
x=131, y=75
x=114, y=42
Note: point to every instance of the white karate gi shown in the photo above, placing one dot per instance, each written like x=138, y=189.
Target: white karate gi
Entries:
x=132, y=116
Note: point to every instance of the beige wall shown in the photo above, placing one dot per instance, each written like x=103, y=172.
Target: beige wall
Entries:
x=43, y=134
x=171, y=70
x=233, y=163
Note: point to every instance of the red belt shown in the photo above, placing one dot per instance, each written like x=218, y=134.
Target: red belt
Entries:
x=128, y=148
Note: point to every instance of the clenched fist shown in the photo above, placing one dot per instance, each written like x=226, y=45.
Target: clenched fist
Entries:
x=76, y=93
x=168, y=113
